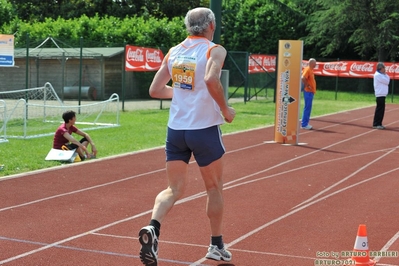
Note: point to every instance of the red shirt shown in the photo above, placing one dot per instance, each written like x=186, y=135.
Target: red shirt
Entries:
x=59, y=138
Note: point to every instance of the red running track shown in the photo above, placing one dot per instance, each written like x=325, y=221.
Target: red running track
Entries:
x=285, y=205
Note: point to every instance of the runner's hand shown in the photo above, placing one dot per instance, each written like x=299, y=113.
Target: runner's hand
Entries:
x=229, y=113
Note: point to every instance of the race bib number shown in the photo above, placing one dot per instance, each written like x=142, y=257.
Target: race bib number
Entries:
x=183, y=72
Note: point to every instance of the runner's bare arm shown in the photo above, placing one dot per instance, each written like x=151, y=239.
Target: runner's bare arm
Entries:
x=159, y=88
x=212, y=80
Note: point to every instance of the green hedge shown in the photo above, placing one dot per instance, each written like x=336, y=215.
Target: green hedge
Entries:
x=99, y=32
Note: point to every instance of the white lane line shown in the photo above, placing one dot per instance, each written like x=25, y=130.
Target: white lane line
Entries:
x=303, y=156
x=163, y=169
x=256, y=230
x=206, y=246
x=388, y=245
x=149, y=211
x=230, y=185
x=73, y=237
x=79, y=190
x=347, y=177
x=102, y=185
x=203, y=259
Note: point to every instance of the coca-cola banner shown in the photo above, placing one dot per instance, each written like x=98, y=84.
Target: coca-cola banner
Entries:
x=353, y=69
x=142, y=59
x=259, y=63
x=349, y=69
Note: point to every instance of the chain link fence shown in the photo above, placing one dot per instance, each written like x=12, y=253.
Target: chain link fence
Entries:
x=102, y=73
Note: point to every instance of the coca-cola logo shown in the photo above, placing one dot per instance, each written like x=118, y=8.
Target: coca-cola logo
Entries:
x=268, y=61
x=394, y=68
x=264, y=61
x=143, y=59
x=153, y=56
x=339, y=66
x=135, y=55
x=365, y=67
x=255, y=61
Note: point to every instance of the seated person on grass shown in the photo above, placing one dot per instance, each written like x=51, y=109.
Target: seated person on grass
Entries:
x=63, y=137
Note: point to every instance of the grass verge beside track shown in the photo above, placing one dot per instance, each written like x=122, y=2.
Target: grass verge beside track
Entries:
x=144, y=129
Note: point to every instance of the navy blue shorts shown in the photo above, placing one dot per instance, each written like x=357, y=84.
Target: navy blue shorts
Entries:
x=205, y=144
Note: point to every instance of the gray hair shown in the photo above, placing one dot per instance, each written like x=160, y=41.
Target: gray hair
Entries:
x=198, y=20
x=380, y=65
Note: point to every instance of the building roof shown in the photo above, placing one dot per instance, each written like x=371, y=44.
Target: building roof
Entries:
x=69, y=52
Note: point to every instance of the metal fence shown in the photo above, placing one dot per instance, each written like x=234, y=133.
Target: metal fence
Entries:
x=106, y=75
x=252, y=86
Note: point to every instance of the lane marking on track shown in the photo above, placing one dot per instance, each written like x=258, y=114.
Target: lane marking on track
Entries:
x=163, y=169
x=355, y=119
x=347, y=177
x=230, y=185
x=256, y=230
x=206, y=246
x=388, y=245
x=307, y=154
x=192, y=198
x=80, y=190
x=116, y=254
x=203, y=259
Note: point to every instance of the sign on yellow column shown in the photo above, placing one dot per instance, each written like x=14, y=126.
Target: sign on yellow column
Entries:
x=288, y=92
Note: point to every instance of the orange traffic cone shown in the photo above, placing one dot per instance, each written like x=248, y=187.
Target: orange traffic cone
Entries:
x=361, y=249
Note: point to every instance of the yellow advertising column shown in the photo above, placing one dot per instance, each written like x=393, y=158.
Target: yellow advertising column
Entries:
x=286, y=127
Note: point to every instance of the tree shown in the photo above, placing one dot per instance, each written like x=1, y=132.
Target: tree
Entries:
x=369, y=27
x=39, y=10
x=99, y=32
x=257, y=25
x=172, y=8
x=7, y=12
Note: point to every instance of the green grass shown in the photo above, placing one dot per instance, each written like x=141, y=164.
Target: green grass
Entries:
x=145, y=129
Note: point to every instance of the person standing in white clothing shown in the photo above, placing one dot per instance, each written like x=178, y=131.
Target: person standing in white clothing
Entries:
x=381, y=83
x=197, y=110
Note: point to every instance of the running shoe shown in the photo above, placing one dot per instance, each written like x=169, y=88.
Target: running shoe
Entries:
x=308, y=127
x=149, y=246
x=214, y=253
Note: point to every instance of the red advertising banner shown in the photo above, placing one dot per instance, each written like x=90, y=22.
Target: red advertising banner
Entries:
x=353, y=69
x=349, y=69
x=259, y=63
x=142, y=59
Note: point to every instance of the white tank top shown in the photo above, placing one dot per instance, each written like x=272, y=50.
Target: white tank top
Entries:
x=192, y=106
